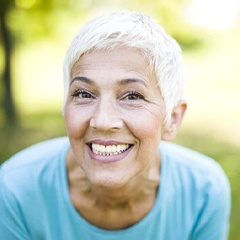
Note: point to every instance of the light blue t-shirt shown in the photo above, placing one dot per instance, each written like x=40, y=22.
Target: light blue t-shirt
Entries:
x=193, y=200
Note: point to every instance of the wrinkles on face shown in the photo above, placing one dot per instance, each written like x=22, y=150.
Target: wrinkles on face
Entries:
x=114, y=97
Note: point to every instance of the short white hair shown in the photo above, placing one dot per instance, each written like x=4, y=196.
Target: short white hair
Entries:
x=135, y=30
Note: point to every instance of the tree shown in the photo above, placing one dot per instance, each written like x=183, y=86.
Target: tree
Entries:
x=28, y=20
x=8, y=102
x=171, y=14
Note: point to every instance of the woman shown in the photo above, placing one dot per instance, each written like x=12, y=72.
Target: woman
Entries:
x=114, y=177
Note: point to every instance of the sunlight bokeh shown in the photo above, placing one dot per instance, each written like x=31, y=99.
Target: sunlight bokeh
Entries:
x=213, y=87
x=217, y=14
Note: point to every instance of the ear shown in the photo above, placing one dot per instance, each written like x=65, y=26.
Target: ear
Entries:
x=177, y=115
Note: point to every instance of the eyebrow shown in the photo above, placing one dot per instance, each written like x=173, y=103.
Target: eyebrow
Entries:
x=122, y=82
x=133, y=80
x=82, y=79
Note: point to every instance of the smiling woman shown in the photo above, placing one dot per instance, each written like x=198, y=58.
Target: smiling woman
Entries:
x=115, y=176
x=122, y=88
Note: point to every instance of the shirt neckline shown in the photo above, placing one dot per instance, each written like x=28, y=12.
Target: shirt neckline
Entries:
x=87, y=226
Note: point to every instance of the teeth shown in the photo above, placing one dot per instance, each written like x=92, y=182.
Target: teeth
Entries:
x=109, y=150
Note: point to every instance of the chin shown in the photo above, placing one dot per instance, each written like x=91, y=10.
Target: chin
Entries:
x=109, y=182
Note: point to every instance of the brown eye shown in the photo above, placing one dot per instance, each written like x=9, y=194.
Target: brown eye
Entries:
x=133, y=96
x=83, y=94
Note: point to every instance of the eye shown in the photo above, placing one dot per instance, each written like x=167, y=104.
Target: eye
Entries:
x=133, y=96
x=82, y=94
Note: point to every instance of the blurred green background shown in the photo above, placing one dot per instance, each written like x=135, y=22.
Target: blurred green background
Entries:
x=39, y=33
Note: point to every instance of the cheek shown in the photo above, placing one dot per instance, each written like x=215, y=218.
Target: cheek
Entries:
x=146, y=124
x=75, y=121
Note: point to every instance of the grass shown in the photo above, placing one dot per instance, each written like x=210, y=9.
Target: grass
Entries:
x=33, y=128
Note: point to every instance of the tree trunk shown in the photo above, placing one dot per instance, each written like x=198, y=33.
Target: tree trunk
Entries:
x=8, y=103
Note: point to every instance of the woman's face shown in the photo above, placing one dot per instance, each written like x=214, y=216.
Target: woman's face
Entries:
x=114, y=115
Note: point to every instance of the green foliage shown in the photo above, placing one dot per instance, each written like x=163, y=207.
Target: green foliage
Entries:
x=171, y=15
x=33, y=20
x=33, y=128
x=37, y=20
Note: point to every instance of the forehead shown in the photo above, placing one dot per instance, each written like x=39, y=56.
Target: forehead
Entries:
x=122, y=59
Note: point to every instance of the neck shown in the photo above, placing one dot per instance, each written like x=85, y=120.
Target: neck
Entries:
x=136, y=190
x=119, y=207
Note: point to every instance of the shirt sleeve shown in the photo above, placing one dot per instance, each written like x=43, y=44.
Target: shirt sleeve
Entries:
x=213, y=219
x=12, y=224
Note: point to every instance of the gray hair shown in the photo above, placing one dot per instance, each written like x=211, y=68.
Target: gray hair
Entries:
x=132, y=29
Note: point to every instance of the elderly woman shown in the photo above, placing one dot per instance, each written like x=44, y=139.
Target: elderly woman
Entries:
x=116, y=176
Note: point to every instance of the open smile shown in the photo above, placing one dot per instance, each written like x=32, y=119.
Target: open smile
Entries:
x=109, y=150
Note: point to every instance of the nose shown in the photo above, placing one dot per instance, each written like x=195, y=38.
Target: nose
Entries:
x=106, y=116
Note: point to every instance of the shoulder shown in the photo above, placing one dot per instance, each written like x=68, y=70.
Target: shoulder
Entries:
x=198, y=183
x=26, y=166
x=185, y=158
x=27, y=180
x=34, y=153
x=194, y=170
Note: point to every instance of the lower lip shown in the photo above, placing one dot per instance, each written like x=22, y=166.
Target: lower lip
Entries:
x=108, y=159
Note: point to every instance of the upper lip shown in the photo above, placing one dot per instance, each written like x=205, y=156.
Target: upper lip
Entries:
x=107, y=142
